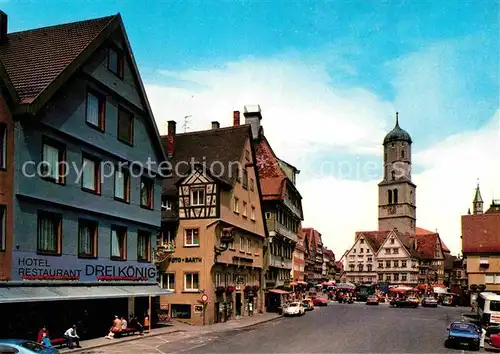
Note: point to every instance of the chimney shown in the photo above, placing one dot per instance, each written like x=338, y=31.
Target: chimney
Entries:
x=236, y=118
x=171, y=138
x=253, y=117
x=215, y=125
x=3, y=27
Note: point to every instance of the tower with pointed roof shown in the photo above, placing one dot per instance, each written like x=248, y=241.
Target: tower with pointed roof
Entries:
x=477, y=203
x=397, y=207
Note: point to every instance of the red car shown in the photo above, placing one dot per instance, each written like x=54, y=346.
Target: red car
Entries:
x=318, y=301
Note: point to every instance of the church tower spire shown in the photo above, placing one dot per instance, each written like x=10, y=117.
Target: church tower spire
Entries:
x=477, y=203
x=397, y=207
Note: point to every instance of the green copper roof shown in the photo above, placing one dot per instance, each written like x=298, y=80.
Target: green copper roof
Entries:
x=397, y=134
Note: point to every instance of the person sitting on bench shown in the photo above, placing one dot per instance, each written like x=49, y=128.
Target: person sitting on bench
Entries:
x=134, y=323
x=117, y=327
x=72, y=337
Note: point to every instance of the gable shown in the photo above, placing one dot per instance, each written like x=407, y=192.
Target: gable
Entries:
x=392, y=241
x=197, y=177
x=363, y=242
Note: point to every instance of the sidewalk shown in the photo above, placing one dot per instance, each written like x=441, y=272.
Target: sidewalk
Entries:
x=243, y=322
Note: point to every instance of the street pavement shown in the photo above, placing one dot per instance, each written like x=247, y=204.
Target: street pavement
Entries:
x=337, y=328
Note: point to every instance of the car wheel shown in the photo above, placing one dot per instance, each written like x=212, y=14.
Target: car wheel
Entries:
x=447, y=343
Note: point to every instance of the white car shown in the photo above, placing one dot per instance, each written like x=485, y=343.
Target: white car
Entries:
x=294, y=309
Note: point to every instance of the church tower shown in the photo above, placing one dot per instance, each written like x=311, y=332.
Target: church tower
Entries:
x=396, y=194
x=477, y=203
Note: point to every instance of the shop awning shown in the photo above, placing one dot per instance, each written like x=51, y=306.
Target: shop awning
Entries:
x=279, y=291
x=58, y=293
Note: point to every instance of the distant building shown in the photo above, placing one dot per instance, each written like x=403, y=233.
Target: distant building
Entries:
x=481, y=243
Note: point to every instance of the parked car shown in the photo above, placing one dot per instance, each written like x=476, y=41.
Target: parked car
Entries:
x=372, y=300
x=463, y=333
x=429, y=302
x=404, y=303
x=308, y=304
x=294, y=309
x=320, y=302
x=22, y=346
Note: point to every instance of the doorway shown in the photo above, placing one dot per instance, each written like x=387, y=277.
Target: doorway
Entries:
x=218, y=312
x=238, y=304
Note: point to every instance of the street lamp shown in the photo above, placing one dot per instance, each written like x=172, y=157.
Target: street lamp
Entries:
x=226, y=237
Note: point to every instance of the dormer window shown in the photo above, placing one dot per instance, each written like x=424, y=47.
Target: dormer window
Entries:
x=362, y=241
x=115, y=62
x=197, y=196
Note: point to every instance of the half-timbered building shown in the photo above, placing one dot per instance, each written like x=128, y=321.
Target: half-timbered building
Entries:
x=212, y=196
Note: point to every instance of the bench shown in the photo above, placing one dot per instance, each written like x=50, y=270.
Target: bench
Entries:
x=126, y=332
x=60, y=342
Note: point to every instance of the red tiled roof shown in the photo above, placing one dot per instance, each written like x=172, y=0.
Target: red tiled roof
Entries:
x=481, y=233
x=420, y=231
x=426, y=245
x=35, y=58
x=374, y=238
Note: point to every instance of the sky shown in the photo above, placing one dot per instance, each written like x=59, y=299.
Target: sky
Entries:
x=329, y=77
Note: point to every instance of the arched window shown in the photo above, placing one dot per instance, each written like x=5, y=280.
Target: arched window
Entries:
x=389, y=196
x=393, y=174
x=411, y=197
x=395, y=192
x=402, y=154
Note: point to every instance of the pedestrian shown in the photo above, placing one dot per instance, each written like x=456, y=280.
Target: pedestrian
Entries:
x=117, y=327
x=43, y=337
x=72, y=337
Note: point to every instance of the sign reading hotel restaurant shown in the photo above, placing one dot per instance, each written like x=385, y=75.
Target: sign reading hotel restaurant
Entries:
x=28, y=266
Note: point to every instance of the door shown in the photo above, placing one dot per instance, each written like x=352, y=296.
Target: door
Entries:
x=238, y=304
x=217, y=312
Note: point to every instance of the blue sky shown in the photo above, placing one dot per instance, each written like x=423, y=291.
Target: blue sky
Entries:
x=329, y=75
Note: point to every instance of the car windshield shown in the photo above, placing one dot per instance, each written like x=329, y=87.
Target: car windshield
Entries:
x=430, y=299
x=463, y=327
x=35, y=347
x=294, y=304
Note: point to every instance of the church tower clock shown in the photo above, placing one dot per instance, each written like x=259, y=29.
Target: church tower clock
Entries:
x=397, y=208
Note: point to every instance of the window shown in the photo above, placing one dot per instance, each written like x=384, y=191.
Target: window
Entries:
x=393, y=175
x=402, y=154
x=361, y=250
x=268, y=216
x=389, y=197
x=143, y=246
x=252, y=183
x=118, y=243
x=494, y=306
x=122, y=185
x=166, y=204
x=241, y=243
x=380, y=277
x=191, y=281
x=125, y=126
x=369, y=266
x=238, y=176
x=387, y=251
x=249, y=246
x=245, y=178
x=87, y=238
x=3, y=225
x=168, y=281
x=396, y=277
x=403, y=264
x=146, y=193
x=403, y=276
x=197, y=196
x=395, y=250
x=95, y=110
x=3, y=146
x=236, y=208
x=396, y=264
x=395, y=192
x=388, y=277
x=91, y=174
x=115, y=62
x=227, y=279
x=52, y=166
x=244, y=209
x=392, y=241
x=181, y=311
x=370, y=259
x=360, y=267
x=191, y=237
x=362, y=241
x=387, y=264
x=218, y=279
x=252, y=214
x=49, y=233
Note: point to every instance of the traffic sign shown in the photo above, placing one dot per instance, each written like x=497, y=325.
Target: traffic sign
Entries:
x=204, y=298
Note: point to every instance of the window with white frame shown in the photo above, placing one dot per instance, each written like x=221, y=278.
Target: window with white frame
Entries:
x=244, y=214
x=252, y=213
x=168, y=281
x=249, y=245
x=197, y=196
x=166, y=203
x=492, y=279
x=236, y=206
x=241, y=244
x=191, y=281
x=218, y=281
x=227, y=279
x=191, y=237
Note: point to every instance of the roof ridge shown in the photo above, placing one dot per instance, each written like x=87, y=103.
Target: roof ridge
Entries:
x=64, y=24
x=208, y=131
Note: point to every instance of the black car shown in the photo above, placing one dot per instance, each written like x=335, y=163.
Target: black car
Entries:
x=404, y=303
x=463, y=333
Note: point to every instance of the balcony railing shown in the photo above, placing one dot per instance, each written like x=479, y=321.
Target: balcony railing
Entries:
x=168, y=247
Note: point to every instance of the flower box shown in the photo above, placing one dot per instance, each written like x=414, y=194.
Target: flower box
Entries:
x=230, y=289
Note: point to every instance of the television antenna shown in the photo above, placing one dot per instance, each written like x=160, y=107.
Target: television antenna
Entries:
x=186, y=122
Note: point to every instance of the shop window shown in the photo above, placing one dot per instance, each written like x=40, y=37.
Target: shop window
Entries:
x=181, y=311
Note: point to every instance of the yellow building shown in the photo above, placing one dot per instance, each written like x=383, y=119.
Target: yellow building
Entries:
x=214, y=194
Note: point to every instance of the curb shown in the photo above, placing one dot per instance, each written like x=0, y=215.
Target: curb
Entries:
x=134, y=338
x=122, y=340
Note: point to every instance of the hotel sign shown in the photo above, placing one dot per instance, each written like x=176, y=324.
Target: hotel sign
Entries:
x=29, y=266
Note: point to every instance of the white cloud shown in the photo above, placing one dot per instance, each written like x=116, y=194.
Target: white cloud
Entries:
x=303, y=113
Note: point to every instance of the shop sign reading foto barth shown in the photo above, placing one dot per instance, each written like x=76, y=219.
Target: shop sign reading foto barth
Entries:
x=185, y=260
